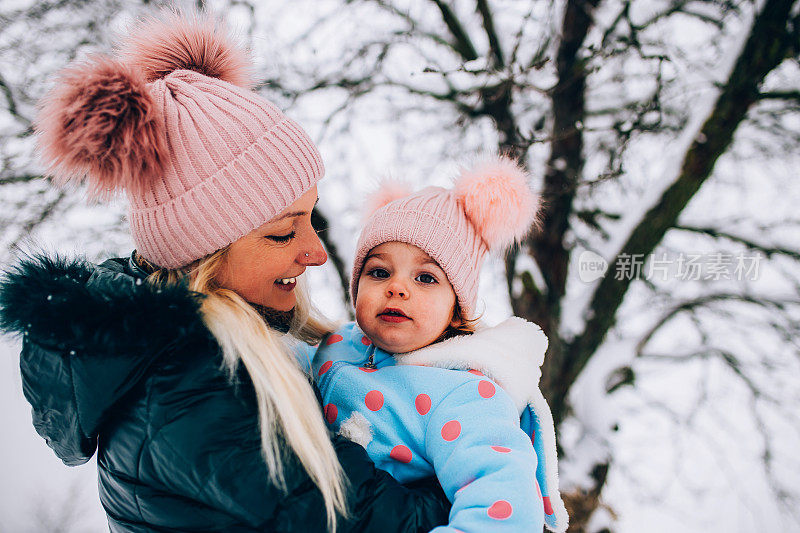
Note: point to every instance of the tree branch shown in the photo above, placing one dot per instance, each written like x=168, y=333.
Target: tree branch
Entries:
x=769, y=251
x=463, y=45
x=564, y=167
x=702, y=301
x=414, y=25
x=519, y=38
x=45, y=213
x=764, y=50
x=321, y=225
x=11, y=102
x=491, y=33
x=19, y=179
x=780, y=95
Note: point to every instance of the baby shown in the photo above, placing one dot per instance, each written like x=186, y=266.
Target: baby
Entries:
x=419, y=385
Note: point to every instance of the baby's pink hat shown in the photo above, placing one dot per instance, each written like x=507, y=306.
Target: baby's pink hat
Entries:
x=490, y=207
x=173, y=122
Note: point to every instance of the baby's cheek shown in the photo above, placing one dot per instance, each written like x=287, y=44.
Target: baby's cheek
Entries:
x=436, y=319
x=363, y=306
x=440, y=308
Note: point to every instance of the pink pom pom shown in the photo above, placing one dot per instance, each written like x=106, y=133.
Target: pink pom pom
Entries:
x=498, y=201
x=159, y=46
x=388, y=191
x=100, y=120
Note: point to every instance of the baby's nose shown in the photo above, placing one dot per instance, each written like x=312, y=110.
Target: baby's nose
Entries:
x=397, y=290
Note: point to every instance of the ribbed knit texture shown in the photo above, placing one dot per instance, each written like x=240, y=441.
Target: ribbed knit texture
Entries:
x=434, y=221
x=233, y=162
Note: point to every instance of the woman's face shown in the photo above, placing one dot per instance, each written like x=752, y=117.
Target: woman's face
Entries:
x=261, y=267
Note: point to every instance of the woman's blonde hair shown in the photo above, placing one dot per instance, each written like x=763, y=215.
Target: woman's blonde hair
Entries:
x=287, y=405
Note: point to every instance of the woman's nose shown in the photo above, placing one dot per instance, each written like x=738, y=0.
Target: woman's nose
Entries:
x=313, y=253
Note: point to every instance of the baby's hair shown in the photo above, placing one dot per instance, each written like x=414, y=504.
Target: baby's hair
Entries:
x=464, y=326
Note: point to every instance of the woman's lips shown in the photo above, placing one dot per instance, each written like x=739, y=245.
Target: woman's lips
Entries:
x=286, y=284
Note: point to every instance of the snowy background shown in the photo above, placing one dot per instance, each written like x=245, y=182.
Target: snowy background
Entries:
x=692, y=399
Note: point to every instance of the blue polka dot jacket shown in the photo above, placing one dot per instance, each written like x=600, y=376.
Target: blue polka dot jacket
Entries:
x=467, y=409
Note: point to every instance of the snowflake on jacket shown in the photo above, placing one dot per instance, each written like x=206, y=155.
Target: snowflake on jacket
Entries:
x=440, y=410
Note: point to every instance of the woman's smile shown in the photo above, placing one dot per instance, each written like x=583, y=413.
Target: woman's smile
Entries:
x=285, y=245
x=286, y=284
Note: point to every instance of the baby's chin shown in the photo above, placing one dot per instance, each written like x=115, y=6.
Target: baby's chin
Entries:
x=395, y=346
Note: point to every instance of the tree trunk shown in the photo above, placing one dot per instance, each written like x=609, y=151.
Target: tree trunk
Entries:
x=766, y=47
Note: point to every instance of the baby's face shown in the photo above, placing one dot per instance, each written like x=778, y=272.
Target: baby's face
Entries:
x=404, y=300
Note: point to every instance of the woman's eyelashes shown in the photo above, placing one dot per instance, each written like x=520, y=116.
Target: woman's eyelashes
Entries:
x=282, y=238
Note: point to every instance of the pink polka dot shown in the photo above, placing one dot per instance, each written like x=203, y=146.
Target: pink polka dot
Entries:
x=365, y=341
x=476, y=372
x=331, y=412
x=501, y=449
x=325, y=367
x=500, y=510
x=423, y=404
x=367, y=370
x=486, y=389
x=401, y=454
x=333, y=339
x=451, y=430
x=374, y=400
x=538, y=490
x=548, y=508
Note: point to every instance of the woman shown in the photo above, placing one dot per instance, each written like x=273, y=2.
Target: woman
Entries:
x=173, y=365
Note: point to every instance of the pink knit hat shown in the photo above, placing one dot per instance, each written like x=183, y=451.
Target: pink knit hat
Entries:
x=490, y=207
x=173, y=122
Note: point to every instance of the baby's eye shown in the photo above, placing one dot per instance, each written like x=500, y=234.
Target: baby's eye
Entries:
x=428, y=279
x=282, y=238
x=379, y=273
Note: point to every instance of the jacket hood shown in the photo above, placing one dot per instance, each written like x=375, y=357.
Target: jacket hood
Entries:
x=90, y=333
x=511, y=354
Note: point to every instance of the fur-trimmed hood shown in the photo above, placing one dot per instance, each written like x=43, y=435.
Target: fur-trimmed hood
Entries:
x=90, y=333
x=98, y=309
x=510, y=353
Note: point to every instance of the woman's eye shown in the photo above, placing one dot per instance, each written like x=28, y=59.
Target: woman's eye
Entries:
x=426, y=278
x=379, y=273
x=282, y=238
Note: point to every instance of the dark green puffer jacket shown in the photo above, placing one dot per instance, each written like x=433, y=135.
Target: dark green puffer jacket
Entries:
x=114, y=366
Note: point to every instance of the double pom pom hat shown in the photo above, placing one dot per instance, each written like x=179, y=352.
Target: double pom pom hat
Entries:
x=172, y=121
x=489, y=208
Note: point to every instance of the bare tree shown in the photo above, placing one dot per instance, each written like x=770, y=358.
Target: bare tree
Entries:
x=35, y=42
x=559, y=79
x=626, y=110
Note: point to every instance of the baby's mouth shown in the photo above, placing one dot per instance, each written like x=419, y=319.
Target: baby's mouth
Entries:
x=391, y=314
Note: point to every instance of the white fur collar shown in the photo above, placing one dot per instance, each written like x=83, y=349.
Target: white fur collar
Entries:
x=509, y=353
